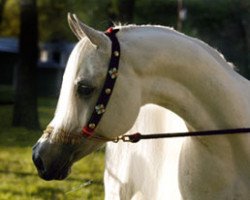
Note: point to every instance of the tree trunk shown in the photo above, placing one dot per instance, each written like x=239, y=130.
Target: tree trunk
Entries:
x=25, y=106
x=2, y=3
x=241, y=13
x=245, y=70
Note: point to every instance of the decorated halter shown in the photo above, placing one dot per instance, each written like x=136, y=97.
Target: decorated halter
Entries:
x=103, y=99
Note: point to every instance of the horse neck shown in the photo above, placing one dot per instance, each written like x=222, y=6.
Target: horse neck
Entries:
x=189, y=78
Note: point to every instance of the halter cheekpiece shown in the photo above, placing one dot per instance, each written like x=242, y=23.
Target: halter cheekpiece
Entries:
x=103, y=99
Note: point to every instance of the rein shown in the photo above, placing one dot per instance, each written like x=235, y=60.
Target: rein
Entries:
x=133, y=138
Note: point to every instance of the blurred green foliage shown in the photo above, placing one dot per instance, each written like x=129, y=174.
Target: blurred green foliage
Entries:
x=202, y=14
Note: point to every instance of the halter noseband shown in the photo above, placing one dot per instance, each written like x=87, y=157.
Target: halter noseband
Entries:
x=103, y=99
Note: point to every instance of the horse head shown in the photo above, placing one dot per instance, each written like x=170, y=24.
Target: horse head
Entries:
x=62, y=143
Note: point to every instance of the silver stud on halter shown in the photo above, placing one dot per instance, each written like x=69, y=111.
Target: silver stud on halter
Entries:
x=113, y=73
x=92, y=125
x=116, y=53
x=100, y=109
x=108, y=91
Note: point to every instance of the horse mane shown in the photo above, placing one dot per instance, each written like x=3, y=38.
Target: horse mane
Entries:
x=211, y=50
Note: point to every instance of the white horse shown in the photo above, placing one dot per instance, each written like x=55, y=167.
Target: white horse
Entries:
x=161, y=66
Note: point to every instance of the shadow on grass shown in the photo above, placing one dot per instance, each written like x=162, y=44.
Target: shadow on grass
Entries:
x=21, y=137
x=13, y=193
x=17, y=173
x=86, y=182
x=49, y=193
x=18, y=137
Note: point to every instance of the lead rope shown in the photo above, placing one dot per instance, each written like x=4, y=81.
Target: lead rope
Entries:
x=134, y=138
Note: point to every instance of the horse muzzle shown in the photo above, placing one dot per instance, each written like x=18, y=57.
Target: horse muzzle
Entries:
x=51, y=164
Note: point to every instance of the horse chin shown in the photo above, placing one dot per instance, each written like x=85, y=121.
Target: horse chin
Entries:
x=55, y=175
x=63, y=175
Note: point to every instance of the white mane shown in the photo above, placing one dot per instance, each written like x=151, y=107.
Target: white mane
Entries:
x=155, y=28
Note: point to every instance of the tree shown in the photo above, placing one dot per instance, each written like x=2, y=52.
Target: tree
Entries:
x=53, y=19
x=241, y=17
x=25, y=106
x=2, y=3
x=121, y=10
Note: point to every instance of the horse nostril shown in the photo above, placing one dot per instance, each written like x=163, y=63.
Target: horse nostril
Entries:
x=38, y=162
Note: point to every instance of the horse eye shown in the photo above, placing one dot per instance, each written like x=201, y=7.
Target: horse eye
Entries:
x=85, y=90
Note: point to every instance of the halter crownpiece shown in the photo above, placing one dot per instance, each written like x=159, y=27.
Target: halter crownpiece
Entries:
x=103, y=99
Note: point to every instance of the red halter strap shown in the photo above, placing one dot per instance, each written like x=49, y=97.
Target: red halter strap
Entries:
x=103, y=99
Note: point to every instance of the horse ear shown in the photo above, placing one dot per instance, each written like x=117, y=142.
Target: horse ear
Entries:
x=81, y=30
x=73, y=24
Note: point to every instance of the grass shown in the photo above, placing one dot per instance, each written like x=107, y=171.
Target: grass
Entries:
x=18, y=176
x=6, y=94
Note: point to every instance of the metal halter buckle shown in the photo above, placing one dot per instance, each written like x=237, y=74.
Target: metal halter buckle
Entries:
x=128, y=138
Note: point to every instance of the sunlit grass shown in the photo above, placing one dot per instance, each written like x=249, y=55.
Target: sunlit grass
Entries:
x=18, y=176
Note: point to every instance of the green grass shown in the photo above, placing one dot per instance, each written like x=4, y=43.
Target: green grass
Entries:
x=18, y=176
